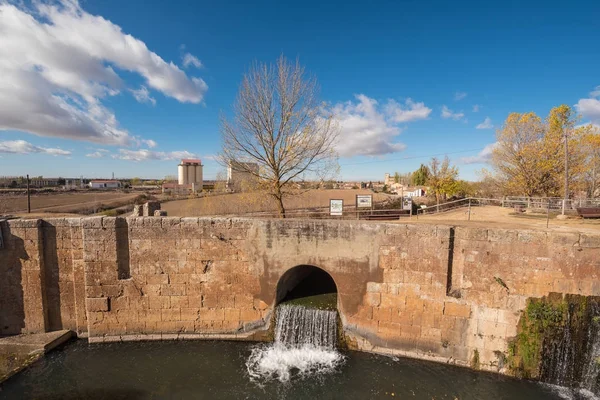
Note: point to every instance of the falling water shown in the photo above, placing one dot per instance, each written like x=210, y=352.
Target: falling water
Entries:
x=591, y=371
x=305, y=341
x=572, y=359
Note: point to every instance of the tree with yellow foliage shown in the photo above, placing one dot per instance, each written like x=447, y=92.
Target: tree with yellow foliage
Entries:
x=442, y=178
x=590, y=178
x=539, y=158
x=516, y=156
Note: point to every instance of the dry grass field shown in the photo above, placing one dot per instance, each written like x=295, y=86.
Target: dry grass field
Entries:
x=241, y=203
x=500, y=217
x=64, y=202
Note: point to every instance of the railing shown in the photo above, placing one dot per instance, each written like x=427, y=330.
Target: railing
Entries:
x=349, y=212
x=519, y=204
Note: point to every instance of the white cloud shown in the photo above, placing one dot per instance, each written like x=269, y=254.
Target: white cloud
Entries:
x=145, y=155
x=483, y=157
x=486, y=124
x=96, y=154
x=448, y=113
x=150, y=143
x=589, y=108
x=23, y=147
x=56, y=67
x=143, y=95
x=365, y=129
x=459, y=96
x=476, y=108
x=410, y=112
x=189, y=59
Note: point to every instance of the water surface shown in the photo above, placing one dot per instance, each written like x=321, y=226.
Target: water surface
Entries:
x=217, y=370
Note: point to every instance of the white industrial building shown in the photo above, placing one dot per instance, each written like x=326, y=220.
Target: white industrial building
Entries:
x=189, y=172
x=241, y=175
x=104, y=184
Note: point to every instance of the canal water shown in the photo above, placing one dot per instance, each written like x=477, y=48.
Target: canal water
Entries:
x=219, y=370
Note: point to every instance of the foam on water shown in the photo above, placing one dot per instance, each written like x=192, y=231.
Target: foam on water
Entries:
x=572, y=394
x=281, y=362
x=304, y=346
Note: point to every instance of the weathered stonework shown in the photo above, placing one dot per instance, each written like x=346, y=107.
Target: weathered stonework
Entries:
x=427, y=291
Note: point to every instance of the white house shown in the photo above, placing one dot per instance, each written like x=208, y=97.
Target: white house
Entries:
x=105, y=184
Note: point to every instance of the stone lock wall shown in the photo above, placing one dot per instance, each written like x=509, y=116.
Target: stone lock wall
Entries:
x=439, y=292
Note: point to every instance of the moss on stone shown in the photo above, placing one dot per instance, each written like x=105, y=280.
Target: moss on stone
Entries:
x=325, y=301
x=541, y=327
x=540, y=317
x=475, y=360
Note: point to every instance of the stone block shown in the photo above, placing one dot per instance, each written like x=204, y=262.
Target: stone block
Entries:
x=260, y=305
x=97, y=304
x=564, y=239
x=170, y=314
x=457, y=310
x=173, y=289
x=374, y=287
x=250, y=315
x=232, y=314
x=588, y=240
x=157, y=279
x=190, y=314
x=373, y=299
x=212, y=314
x=150, y=207
x=179, y=302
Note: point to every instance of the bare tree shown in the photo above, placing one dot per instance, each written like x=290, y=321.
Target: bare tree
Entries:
x=279, y=125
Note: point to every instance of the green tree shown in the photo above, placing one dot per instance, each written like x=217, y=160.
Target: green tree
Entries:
x=396, y=177
x=420, y=176
x=442, y=178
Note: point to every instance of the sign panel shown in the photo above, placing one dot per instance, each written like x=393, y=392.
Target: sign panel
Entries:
x=407, y=203
x=336, y=207
x=364, y=201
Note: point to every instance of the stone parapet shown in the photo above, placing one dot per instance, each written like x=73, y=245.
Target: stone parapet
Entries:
x=428, y=291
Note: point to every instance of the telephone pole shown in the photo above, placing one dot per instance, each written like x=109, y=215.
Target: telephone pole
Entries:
x=28, y=196
x=564, y=205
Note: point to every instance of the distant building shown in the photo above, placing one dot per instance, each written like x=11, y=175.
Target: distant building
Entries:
x=241, y=175
x=416, y=192
x=104, y=184
x=387, y=179
x=189, y=172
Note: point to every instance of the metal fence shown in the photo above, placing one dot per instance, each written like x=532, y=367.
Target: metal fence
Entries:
x=532, y=205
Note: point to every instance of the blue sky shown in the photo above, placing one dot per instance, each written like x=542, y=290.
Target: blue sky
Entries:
x=407, y=79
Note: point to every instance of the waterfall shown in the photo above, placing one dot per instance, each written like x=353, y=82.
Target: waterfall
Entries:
x=571, y=358
x=305, y=341
x=591, y=371
x=298, y=325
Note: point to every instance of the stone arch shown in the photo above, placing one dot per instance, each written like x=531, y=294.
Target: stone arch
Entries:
x=304, y=280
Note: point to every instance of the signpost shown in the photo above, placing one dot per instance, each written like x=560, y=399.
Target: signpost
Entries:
x=336, y=207
x=364, y=201
x=407, y=203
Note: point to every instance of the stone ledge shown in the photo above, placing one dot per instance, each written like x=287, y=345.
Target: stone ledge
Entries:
x=171, y=336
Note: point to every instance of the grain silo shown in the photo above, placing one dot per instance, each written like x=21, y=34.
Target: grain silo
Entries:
x=199, y=180
x=189, y=172
x=182, y=174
